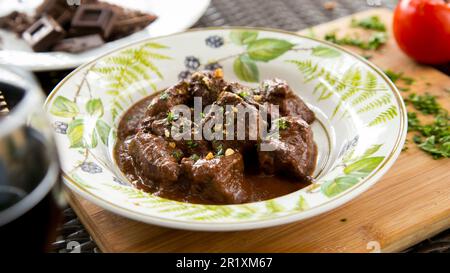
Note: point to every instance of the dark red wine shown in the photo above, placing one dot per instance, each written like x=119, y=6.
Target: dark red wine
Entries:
x=29, y=192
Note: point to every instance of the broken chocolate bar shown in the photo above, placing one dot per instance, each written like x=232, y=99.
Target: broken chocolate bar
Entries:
x=93, y=19
x=43, y=34
x=79, y=44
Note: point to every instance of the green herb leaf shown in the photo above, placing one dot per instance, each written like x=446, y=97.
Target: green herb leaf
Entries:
x=94, y=107
x=325, y=52
x=426, y=104
x=267, y=49
x=103, y=130
x=171, y=117
x=164, y=96
x=191, y=144
x=282, y=124
x=195, y=157
x=338, y=185
x=243, y=94
x=372, y=22
x=220, y=151
x=63, y=107
x=375, y=41
x=75, y=133
x=243, y=37
x=245, y=69
x=396, y=76
x=178, y=154
x=363, y=166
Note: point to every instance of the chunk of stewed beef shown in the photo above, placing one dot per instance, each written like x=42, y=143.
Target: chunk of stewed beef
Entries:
x=220, y=179
x=183, y=138
x=291, y=151
x=207, y=85
x=241, y=123
x=172, y=96
x=155, y=158
x=278, y=92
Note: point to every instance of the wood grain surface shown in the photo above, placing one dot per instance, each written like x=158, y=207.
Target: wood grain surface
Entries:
x=409, y=204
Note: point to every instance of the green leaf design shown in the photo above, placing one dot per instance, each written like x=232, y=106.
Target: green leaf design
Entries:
x=128, y=67
x=63, y=107
x=385, y=116
x=243, y=37
x=338, y=185
x=377, y=103
x=94, y=107
x=351, y=87
x=94, y=140
x=102, y=129
x=301, y=204
x=325, y=52
x=245, y=69
x=363, y=166
x=371, y=86
x=273, y=207
x=75, y=133
x=81, y=183
x=371, y=150
x=267, y=49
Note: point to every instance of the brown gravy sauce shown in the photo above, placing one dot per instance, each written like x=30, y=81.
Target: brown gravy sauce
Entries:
x=263, y=187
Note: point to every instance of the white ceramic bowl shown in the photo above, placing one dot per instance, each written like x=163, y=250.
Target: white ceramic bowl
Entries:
x=360, y=129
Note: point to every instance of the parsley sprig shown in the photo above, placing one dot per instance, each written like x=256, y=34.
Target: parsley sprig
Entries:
x=372, y=22
x=426, y=104
x=376, y=40
x=433, y=138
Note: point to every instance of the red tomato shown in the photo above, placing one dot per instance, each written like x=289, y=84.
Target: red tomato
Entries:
x=422, y=29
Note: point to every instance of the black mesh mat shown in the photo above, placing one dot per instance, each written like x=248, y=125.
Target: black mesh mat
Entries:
x=284, y=14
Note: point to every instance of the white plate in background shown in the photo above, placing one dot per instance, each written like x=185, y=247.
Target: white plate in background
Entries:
x=173, y=16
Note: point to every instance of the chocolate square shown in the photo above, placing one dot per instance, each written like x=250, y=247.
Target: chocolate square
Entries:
x=43, y=34
x=93, y=19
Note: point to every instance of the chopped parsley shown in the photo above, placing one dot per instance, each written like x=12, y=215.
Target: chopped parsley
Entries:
x=195, y=157
x=164, y=96
x=243, y=94
x=375, y=41
x=403, y=89
x=413, y=121
x=177, y=154
x=282, y=124
x=426, y=104
x=398, y=76
x=220, y=151
x=171, y=117
x=191, y=144
x=432, y=138
x=372, y=22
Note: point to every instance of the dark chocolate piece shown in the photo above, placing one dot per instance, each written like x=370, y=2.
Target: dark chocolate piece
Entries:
x=93, y=19
x=79, y=44
x=43, y=34
x=16, y=22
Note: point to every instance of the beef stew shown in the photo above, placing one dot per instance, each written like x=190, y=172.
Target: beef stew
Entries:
x=222, y=170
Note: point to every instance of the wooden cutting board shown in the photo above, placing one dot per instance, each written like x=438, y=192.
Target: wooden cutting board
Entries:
x=409, y=204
